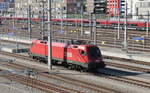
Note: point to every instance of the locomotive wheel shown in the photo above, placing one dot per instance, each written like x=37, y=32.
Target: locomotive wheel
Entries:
x=71, y=67
x=54, y=62
x=79, y=68
x=83, y=70
x=33, y=57
x=65, y=64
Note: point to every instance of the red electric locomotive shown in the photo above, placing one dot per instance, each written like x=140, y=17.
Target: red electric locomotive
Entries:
x=76, y=56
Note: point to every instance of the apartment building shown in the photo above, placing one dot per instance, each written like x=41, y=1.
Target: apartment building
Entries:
x=5, y=5
x=58, y=7
x=141, y=8
x=135, y=8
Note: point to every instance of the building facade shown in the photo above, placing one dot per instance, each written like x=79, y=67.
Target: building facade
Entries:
x=65, y=7
x=58, y=7
x=135, y=8
x=6, y=6
x=90, y=6
x=22, y=7
x=139, y=8
x=114, y=7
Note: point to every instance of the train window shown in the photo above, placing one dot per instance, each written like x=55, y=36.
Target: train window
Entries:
x=44, y=42
x=94, y=52
x=122, y=24
x=75, y=46
x=56, y=40
x=83, y=53
x=132, y=24
x=114, y=24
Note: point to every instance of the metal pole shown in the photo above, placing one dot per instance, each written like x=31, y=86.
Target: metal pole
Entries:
x=76, y=17
x=29, y=21
x=49, y=37
x=118, y=34
x=61, y=19
x=14, y=19
x=131, y=8
x=91, y=20
x=81, y=20
x=115, y=7
x=17, y=45
x=125, y=28
x=94, y=29
x=147, y=30
x=42, y=19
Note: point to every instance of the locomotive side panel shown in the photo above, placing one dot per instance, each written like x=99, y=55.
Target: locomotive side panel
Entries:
x=39, y=49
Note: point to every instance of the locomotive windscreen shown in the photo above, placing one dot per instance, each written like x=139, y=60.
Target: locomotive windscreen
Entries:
x=94, y=52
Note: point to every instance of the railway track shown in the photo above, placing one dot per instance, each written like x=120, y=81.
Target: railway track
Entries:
x=108, y=75
x=38, y=84
x=102, y=42
x=127, y=60
x=105, y=57
x=133, y=68
x=74, y=82
x=125, y=79
x=101, y=36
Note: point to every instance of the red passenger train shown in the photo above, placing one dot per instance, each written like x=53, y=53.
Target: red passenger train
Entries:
x=106, y=24
x=73, y=55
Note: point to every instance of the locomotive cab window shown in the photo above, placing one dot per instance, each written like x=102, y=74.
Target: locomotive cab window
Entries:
x=94, y=52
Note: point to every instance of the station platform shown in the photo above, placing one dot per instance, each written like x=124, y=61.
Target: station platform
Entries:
x=107, y=51
x=134, y=55
x=15, y=47
x=16, y=39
